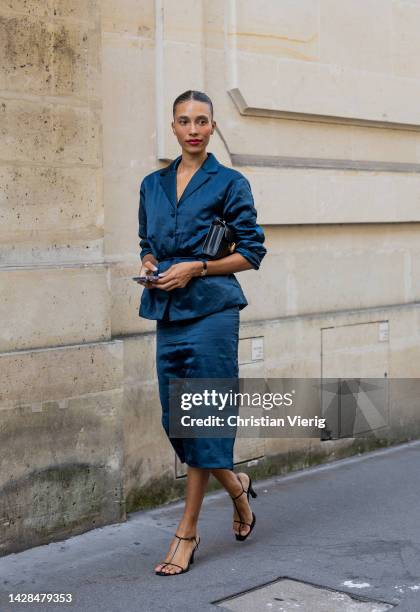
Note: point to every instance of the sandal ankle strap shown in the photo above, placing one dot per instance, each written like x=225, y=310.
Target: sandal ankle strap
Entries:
x=241, y=493
x=181, y=538
x=243, y=490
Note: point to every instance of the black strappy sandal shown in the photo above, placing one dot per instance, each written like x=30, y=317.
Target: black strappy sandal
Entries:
x=183, y=569
x=251, y=491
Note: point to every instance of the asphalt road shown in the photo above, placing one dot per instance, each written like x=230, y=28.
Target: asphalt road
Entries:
x=352, y=526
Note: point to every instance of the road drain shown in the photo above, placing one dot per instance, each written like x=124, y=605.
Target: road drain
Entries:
x=289, y=595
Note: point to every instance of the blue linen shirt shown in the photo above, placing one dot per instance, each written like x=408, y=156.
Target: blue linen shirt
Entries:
x=175, y=231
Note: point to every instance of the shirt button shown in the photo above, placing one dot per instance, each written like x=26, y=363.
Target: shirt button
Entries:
x=172, y=214
x=170, y=234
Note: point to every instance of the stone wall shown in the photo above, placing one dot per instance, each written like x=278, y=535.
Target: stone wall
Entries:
x=61, y=372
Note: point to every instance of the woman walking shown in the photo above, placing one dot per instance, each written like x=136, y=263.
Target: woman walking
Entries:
x=196, y=302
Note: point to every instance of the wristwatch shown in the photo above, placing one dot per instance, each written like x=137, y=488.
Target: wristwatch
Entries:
x=204, y=270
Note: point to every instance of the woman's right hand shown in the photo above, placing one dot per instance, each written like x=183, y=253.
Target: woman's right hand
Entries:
x=148, y=267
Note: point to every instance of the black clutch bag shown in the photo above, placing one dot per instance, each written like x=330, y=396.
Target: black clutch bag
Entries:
x=219, y=241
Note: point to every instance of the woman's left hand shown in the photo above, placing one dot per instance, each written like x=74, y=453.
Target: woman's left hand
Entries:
x=178, y=275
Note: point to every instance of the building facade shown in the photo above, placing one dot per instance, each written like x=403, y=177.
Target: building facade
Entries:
x=316, y=102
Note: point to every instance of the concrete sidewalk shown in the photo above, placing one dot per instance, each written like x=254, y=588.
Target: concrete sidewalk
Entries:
x=352, y=526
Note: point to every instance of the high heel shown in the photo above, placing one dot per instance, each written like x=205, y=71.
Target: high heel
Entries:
x=250, y=491
x=183, y=569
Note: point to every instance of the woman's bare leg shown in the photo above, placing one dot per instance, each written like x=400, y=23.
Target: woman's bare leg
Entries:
x=229, y=480
x=197, y=479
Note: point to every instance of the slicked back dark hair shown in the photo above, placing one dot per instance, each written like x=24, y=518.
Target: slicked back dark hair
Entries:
x=192, y=94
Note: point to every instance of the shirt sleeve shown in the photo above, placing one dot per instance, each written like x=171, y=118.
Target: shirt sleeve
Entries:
x=144, y=244
x=241, y=216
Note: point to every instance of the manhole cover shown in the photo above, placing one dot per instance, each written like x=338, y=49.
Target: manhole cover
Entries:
x=287, y=595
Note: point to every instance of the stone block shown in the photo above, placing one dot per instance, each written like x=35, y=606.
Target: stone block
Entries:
x=50, y=374
x=285, y=30
x=147, y=451
x=69, y=401
x=180, y=22
x=129, y=17
x=214, y=28
x=352, y=35
x=313, y=196
x=49, y=133
x=47, y=210
x=59, y=10
x=305, y=90
x=32, y=8
x=405, y=40
x=126, y=295
x=349, y=265
x=53, y=306
x=80, y=10
x=47, y=58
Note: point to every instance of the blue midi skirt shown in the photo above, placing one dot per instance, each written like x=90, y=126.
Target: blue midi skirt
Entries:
x=201, y=347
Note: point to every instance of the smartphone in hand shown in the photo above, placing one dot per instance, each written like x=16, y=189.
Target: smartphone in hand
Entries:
x=148, y=277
